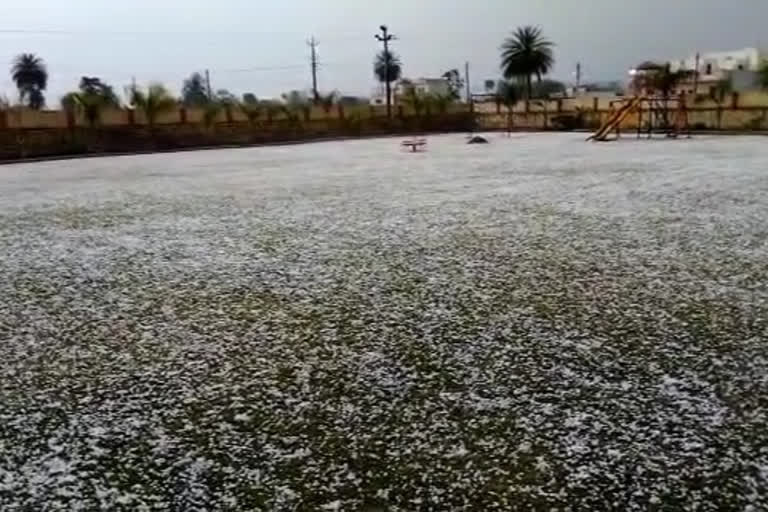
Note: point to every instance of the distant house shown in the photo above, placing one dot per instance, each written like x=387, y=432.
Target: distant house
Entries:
x=596, y=89
x=423, y=86
x=378, y=96
x=739, y=67
x=436, y=86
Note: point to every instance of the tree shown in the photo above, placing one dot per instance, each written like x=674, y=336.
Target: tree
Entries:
x=225, y=97
x=327, y=101
x=295, y=99
x=194, y=91
x=720, y=90
x=387, y=67
x=93, y=97
x=441, y=102
x=507, y=94
x=31, y=77
x=211, y=112
x=663, y=81
x=155, y=101
x=455, y=83
x=526, y=53
x=272, y=108
x=489, y=85
x=36, y=99
x=545, y=88
x=94, y=86
x=415, y=100
x=764, y=74
x=250, y=107
x=717, y=93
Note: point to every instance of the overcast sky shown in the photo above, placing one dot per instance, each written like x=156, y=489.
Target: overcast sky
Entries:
x=259, y=45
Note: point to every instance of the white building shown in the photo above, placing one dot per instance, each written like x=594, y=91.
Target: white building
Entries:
x=739, y=67
x=424, y=86
x=717, y=65
x=379, y=96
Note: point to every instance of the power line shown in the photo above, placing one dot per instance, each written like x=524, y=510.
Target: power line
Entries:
x=260, y=68
x=335, y=37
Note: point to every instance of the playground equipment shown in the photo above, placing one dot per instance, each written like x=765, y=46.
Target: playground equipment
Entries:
x=415, y=144
x=657, y=121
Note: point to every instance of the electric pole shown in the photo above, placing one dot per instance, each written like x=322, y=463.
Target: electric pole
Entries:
x=578, y=75
x=466, y=81
x=696, y=74
x=385, y=38
x=313, y=45
x=208, y=84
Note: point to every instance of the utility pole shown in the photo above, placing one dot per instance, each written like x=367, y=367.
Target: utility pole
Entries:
x=696, y=75
x=313, y=45
x=385, y=38
x=466, y=82
x=208, y=84
x=578, y=75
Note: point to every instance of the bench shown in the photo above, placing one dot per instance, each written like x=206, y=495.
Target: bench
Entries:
x=414, y=144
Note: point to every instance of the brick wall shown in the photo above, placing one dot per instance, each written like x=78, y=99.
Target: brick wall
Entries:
x=16, y=143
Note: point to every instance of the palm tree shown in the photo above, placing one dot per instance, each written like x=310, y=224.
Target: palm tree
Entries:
x=387, y=68
x=31, y=77
x=94, y=85
x=526, y=53
x=93, y=97
x=36, y=99
x=194, y=91
x=155, y=101
x=90, y=105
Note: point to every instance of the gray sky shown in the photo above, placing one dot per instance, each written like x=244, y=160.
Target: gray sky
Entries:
x=165, y=40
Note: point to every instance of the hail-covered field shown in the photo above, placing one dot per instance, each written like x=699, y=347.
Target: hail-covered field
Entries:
x=536, y=324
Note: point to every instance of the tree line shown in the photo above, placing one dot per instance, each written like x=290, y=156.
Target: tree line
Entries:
x=527, y=53
x=524, y=55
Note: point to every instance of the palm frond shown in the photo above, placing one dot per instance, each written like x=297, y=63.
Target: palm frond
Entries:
x=387, y=67
x=526, y=53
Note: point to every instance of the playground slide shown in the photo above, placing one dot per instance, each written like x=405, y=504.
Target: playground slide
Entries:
x=616, y=119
